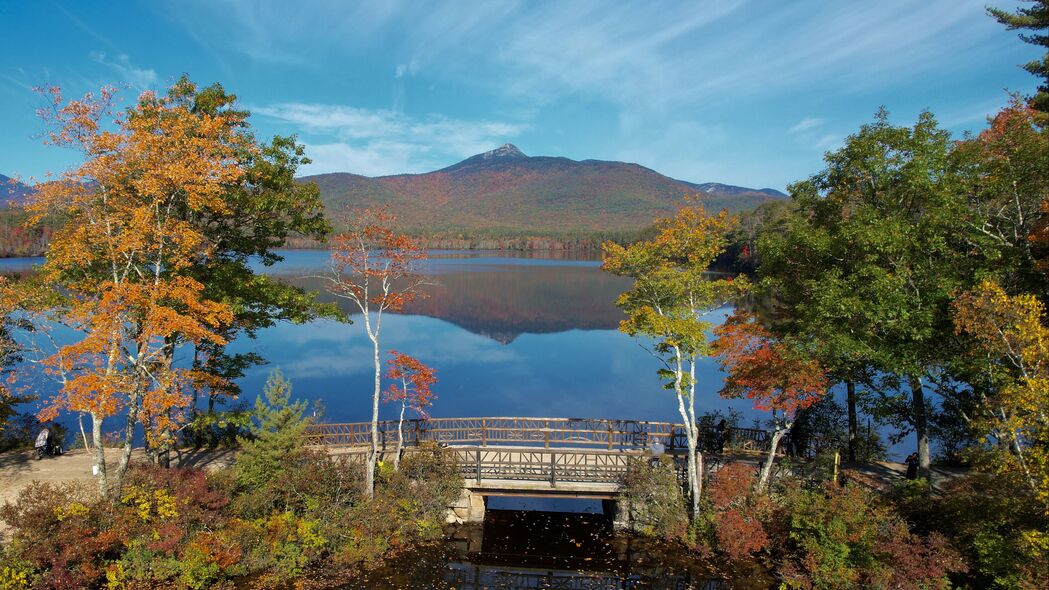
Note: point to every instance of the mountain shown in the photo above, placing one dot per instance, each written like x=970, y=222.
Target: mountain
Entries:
x=506, y=191
x=716, y=188
x=12, y=190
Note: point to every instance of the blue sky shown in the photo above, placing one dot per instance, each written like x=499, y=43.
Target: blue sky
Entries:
x=742, y=92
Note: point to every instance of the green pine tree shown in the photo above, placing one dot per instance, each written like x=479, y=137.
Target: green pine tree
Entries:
x=1035, y=18
x=276, y=434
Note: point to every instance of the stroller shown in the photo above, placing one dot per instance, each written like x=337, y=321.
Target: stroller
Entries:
x=46, y=445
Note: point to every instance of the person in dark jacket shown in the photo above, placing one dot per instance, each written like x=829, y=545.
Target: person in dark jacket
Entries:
x=720, y=434
x=912, y=466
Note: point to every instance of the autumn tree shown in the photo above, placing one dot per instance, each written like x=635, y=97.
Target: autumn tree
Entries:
x=672, y=291
x=777, y=377
x=1009, y=195
x=119, y=251
x=376, y=269
x=1012, y=342
x=410, y=383
x=270, y=207
x=1032, y=18
x=867, y=269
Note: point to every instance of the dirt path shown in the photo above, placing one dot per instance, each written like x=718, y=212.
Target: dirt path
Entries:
x=19, y=468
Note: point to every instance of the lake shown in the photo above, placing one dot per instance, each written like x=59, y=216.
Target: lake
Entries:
x=508, y=336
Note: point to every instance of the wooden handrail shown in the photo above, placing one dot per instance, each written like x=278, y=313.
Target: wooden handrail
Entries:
x=538, y=432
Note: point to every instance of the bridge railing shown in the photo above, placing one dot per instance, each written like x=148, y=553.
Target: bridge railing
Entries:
x=548, y=465
x=531, y=432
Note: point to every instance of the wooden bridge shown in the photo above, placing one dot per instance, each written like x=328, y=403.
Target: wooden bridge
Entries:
x=578, y=433
x=567, y=457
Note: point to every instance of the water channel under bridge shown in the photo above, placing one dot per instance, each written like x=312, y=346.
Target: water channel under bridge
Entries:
x=542, y=457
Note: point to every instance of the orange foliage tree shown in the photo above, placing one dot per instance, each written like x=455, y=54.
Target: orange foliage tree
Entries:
x=117, y=252
x=767, y=370
x=376, y=269
x=411, y=382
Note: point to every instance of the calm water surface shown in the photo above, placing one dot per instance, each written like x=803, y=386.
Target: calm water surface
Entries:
x=508, y=336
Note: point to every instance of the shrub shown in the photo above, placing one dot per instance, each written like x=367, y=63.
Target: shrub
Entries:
x=407, y=508
x=61, y=534
x=656, y=501
x=733, y=514
x=994, y=522
x=838, y=537
x=15, y=573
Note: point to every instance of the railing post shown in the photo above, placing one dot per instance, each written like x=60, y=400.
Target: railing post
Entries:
x=553, y=469
x=610, y=435
x=484, y=432
x=478, y=465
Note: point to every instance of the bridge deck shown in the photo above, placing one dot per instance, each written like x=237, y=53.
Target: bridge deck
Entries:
x=535, y=456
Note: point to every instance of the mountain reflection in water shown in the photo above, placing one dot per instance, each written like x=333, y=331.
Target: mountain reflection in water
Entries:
x=501, y=298
x=530, y=550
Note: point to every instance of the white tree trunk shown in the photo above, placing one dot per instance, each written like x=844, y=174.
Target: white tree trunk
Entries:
x=400, y=439
x=690, y=433
x=125, y=455
x=373, y=456
x=766, y=470
x=83, y=435
x=100, y=454
x=921, y=426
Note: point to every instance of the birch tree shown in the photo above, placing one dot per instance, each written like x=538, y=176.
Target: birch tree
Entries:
x=410, y=383
x=376, y=269
x=117, y=253
x=672, y=292
x=1010, y=335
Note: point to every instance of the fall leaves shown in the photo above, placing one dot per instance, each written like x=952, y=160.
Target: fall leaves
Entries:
x=1010, y=333
x=410, y=383
x=122, y=240
x=765, y=369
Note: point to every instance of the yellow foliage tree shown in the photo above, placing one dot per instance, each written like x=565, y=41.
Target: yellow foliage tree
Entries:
x=120, y=243
x=1011, y=336
x=671, y=294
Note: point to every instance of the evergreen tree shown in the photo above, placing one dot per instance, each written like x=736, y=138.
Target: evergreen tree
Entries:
x=276, y=434
x=1034, y=18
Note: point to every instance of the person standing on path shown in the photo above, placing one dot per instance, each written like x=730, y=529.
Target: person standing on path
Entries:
x=912, y=466
x=720, y=433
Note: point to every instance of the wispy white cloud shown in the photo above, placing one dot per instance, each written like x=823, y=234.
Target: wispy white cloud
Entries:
x=716, y=64
x=140, y=78
x=409, y=69
x=624, y=51
x=380, y=141
x=806, y=124
x=810, y=134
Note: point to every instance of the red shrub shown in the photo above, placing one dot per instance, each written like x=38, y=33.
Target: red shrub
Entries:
x=731, y=483
x=739, y=535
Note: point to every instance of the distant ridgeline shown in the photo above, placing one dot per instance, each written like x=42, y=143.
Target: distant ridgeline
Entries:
x=501, y=200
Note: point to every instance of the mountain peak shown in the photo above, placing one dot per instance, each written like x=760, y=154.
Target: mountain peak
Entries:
x=506, y=154
x=507, y=150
